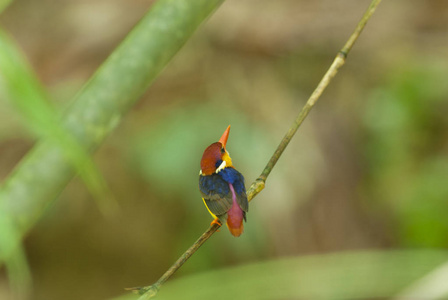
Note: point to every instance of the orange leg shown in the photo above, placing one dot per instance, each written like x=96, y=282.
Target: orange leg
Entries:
x=216, y=221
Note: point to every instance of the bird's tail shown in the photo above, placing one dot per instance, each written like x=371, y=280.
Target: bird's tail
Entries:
x=235, y=231
x=235, y=218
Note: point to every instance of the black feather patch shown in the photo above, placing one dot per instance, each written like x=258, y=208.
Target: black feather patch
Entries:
x=216, y=193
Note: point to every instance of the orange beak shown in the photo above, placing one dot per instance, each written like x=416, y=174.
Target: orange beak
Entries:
x=224, y=137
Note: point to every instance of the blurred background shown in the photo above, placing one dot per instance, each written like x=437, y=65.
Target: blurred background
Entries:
x=367, y=170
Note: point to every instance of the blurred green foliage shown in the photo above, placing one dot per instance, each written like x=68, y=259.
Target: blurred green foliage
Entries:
x=406, y=151
x=358, y=275
x=22, y=89
x=99, y=106
x=378, y=133
x=4, y=4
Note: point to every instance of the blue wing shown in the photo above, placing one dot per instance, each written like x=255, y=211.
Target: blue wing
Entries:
x=216, y=193
x=232, y=176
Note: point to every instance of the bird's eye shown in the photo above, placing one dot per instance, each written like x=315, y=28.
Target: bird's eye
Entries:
x=223, y=150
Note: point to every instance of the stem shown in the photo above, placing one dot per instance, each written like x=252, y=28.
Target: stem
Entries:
x=338, y=62
x=258, y=185
x=150, y=291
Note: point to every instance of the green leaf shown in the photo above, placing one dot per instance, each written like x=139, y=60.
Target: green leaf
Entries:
x=351, y=275
x=19, y=274
x=27, y=95
x=4, y=4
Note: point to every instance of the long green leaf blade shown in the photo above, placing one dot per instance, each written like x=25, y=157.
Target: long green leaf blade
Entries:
x=24, y=91
x=351, y=275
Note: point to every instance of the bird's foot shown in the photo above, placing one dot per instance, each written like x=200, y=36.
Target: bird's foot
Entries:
x=216, y=221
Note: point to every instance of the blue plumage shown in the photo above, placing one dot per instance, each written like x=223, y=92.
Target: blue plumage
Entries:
x=218, y=163
x=215, y=189
x=213, y=184
x=235, y=178
x=218, y=182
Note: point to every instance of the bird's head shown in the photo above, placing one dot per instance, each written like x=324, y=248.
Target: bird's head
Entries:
x=216, y=157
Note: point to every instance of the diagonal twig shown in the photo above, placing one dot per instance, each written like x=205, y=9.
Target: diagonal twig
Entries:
x=258, y=185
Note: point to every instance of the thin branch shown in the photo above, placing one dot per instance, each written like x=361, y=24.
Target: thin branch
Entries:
x=258, y=185
x=150, y=291
x=338, y=62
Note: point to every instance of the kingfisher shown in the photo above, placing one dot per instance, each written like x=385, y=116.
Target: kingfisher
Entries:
x=222, y=187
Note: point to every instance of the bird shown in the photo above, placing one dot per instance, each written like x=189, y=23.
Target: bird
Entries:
x=222, y=187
